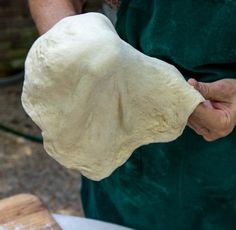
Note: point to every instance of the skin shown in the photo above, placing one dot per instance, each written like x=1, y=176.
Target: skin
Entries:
x=46, y=13
x=213, y=119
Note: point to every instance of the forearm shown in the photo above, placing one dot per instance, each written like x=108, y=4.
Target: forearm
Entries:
x=46, y=13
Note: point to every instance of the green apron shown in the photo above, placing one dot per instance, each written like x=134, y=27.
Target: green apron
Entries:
x=188, y=183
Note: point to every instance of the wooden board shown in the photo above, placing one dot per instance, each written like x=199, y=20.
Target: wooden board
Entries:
x=25, y=212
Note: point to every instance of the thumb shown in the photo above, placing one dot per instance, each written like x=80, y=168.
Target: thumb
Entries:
x=208, y=90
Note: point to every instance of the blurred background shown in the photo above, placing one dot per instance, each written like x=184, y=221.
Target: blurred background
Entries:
x=24, y=165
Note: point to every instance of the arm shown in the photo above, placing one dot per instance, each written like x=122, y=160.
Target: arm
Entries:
x=46, y=13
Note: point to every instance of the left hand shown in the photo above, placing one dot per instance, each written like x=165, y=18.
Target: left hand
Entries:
x=216, y=117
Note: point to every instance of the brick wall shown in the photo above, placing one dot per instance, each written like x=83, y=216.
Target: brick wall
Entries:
x=16, y=35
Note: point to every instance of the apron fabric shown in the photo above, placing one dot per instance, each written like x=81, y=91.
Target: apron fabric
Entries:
x=188, y=183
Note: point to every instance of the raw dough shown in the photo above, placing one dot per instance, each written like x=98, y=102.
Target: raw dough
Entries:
x=97, y=99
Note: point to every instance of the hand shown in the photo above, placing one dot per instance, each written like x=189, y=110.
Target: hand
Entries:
x=216, y=117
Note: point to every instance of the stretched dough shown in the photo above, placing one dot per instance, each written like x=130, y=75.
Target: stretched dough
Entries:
x=96, y=98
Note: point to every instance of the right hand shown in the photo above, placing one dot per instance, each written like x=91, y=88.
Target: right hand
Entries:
x=216, y=117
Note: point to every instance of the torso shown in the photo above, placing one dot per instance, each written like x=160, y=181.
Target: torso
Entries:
x=187, y=183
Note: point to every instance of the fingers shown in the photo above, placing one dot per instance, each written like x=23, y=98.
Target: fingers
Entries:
x=206, y=89
x=207, y=134
x=198, y=129
x=197, y=123
x=193, y=82
x=210, y=123
x=221, y=90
